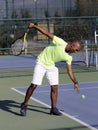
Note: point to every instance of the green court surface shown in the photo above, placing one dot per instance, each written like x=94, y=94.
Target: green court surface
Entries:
x=37, y=115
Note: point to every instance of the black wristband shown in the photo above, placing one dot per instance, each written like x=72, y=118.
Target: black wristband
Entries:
x=76, y=82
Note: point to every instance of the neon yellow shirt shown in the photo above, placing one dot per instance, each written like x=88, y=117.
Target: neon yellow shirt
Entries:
x=55, y=52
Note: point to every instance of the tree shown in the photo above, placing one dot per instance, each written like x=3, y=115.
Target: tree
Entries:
x=57, y=14
x=86, y=7
x=14, y=15
x=47, y=14
x=25, y=13
x=14, y=27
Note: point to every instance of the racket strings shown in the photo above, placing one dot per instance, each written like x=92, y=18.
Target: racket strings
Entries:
x=17, y=47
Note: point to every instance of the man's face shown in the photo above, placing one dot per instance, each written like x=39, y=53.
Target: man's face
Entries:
x=75, y=47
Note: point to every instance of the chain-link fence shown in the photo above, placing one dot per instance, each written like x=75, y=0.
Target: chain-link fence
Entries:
x=67, y=28
x=82, y=28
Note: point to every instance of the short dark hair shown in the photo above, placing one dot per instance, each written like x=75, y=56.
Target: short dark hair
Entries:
x=79, y=41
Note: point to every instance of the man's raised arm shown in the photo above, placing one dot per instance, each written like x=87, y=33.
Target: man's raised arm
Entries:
x=48, y=34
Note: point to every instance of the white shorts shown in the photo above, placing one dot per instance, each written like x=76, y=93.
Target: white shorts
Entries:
x=40, y=70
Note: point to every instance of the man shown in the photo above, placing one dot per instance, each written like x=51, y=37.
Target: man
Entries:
x=58, y=50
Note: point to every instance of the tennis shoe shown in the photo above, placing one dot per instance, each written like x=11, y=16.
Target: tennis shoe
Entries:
x=23, y=109
x=55, y=111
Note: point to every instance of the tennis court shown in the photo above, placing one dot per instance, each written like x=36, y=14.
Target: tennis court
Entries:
x=78, y=114
x=71, y=103
x=69, y=20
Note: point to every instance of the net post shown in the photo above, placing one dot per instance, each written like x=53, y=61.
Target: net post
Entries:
x=86, y=52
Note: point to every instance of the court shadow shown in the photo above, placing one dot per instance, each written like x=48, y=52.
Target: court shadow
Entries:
x=8, y=105
x=71, y=128
x=39, y=109
x=95, y=125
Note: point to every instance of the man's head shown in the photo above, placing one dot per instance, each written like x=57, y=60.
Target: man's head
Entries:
x=75, y=46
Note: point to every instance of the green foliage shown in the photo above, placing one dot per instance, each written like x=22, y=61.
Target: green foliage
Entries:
x=47, y=13
x=25, y=13
x=73, y=29
x=79, y=28
x=57, y=14
x=15, y=27
x=86, y=7
x=14, y=15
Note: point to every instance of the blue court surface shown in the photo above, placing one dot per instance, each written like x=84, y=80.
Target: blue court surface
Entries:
x=12, y=62
x=70, y=102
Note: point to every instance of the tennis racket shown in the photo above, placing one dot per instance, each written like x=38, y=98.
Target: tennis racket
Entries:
x=19, y=44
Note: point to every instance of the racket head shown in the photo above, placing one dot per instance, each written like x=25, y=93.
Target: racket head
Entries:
x=17, y=47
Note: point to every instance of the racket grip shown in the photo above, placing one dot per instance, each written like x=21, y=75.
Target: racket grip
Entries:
x=27, y=30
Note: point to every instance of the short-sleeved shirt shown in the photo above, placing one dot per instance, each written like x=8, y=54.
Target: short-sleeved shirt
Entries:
x=55, y=52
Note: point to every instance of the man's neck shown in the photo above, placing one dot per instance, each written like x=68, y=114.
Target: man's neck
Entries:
x=67, y=48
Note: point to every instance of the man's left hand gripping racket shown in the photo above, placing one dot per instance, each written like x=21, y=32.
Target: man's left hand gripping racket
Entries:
x=19, y=44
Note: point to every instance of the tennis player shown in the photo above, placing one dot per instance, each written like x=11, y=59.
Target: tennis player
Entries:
x=58, y=50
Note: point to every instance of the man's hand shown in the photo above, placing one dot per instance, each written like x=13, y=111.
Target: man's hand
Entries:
x=31, y=25
x=43, y=31
x=76, y=87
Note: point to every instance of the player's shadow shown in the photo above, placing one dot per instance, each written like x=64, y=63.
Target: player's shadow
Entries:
x=70, y=128
x=39, y=109
x=9, y=105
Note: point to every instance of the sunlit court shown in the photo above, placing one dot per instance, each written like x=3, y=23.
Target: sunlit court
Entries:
x=16, y=74
x=56, y=41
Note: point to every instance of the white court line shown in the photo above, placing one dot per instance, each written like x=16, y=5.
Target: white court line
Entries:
x=65, y=114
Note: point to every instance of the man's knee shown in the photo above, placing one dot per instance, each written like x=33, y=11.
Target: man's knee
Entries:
x=54, y=88
x=33, y=85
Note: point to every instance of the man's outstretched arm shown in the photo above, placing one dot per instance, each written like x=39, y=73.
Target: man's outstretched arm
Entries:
x=72, y=77
x=48, y=34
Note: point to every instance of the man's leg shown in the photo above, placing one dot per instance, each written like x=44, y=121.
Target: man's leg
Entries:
x=29, y=92
x=52, y=76
x=53, y=96
x=39, y=72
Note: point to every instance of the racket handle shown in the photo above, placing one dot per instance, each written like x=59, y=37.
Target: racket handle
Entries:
x=27, y=30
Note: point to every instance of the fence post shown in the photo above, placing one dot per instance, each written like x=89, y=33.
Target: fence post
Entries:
x=96, y=54
x=86, y=51
x=7, y=25
x=48, y=25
